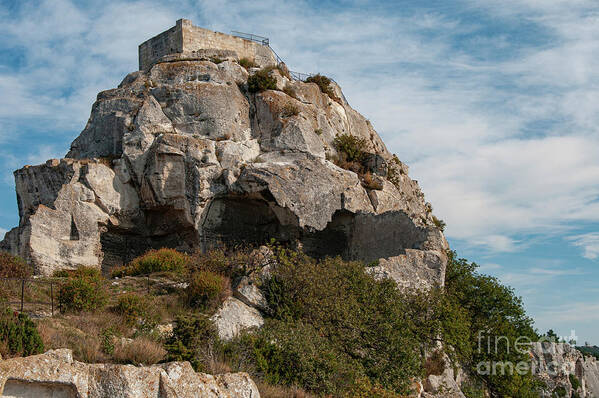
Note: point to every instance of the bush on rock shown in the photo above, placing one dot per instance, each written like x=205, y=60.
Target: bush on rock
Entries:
x=162, y=260
x=84, y=290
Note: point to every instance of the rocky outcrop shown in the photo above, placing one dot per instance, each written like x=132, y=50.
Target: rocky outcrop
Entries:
x=56, y=374
x=554, y=363
x=181, y=155
x=233, y=317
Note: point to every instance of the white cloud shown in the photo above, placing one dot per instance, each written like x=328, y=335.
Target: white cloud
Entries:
x=589, y=243
x=71, y=51
x=572, y=312
x=2, y=232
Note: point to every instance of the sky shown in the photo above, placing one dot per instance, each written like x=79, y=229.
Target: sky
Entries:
x=494, y=105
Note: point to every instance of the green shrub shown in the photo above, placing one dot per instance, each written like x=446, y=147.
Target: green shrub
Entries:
x=574, y=381
x=206, y=289
x=559, y=392
x=85, y=290
x=324, y=84
x=229, y=263
x=132, y=306
x=18, y=335
x=107, y=340
x=162, y=260
x=13, y=266
x=295, y=353
x=247, y=63
x=439, y=223
x=352, y=147
x=364, y=388
x=261, y=81
x=194, y=338
x=359, y=317
x=473, y=389
x=394, y=171
x=489, y=305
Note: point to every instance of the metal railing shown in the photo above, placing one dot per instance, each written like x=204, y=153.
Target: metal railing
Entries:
x=28, y=291
x=299, y=76
x=37, y=296
x=249, y=36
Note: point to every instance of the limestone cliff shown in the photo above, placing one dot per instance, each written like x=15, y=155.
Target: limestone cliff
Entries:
x=182, y=155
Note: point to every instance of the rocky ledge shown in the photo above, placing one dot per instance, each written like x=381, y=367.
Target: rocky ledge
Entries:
x=56, y=374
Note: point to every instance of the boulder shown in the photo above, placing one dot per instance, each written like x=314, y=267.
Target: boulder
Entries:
x=233, y=317
x=56, y=374
x=249, y=293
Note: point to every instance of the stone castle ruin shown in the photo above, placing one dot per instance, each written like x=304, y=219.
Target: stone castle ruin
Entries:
x=181, y=154
x=185, y=41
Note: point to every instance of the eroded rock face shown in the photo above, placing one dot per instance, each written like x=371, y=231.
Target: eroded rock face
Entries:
x=553, y=363
x=183, y=156
x=56, y=374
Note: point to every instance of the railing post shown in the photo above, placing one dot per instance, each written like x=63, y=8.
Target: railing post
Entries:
x=52, y=297
x=22, y=293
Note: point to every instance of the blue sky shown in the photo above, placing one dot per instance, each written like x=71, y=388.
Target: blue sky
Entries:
x=493, y=104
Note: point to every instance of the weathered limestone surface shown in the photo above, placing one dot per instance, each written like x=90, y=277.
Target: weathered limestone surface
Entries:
x=181, y=155
x=56, y=375
x=554, y=362
x=234, y=316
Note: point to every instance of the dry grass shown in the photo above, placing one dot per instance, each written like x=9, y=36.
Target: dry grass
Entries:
x=269, y=391
x=140, y=351
x=435, y=364
x=290, y=91
x=4, y=352
x=371, y=182
x=86, y=348
x=289, y=109
x=81, y=333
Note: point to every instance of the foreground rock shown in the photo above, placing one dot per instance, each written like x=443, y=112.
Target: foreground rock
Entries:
x=56, y=374
x=182, y=155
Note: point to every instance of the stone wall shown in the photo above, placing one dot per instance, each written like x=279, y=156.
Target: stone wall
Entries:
x=186, y=38
x=169, y=42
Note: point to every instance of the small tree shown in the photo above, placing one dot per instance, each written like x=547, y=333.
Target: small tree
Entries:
x=261, y=81
x=18, y=335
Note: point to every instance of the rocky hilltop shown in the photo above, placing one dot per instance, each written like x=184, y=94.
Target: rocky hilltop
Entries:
x=184, y=154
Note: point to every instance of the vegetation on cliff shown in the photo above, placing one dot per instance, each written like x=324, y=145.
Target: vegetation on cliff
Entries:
x=331, y=328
